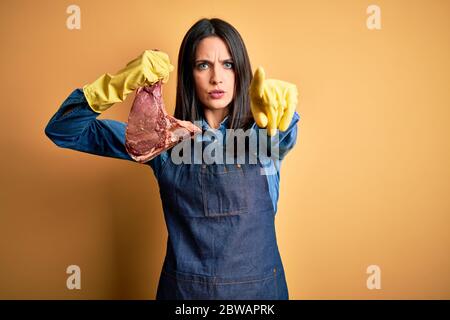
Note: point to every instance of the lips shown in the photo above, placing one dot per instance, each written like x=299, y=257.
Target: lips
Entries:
x=216, y=94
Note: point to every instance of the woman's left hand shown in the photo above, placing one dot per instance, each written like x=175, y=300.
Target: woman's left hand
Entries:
x=272, y=102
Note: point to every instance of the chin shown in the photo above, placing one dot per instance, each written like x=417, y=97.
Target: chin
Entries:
x=217, y=105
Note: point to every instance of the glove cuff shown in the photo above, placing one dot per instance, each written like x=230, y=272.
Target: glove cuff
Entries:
x=93, y=99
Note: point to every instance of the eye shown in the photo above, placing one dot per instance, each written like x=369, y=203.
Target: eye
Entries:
x=230, y=65
x=202, y=64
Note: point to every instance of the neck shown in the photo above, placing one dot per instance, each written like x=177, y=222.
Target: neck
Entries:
x=215, y=117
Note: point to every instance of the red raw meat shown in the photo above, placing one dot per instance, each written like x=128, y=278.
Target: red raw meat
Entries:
x=150, y=130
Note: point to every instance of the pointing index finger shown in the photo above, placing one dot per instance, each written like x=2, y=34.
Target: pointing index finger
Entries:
x=257, y=82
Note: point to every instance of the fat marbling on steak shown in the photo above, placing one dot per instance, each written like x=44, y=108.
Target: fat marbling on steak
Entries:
x=150, y=130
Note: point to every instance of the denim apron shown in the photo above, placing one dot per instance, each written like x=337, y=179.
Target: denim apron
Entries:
x=221, y=234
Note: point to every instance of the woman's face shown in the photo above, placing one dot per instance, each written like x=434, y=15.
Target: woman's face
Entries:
x=214, y=70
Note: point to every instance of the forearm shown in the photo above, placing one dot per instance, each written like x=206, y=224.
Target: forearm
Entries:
x=75, y=126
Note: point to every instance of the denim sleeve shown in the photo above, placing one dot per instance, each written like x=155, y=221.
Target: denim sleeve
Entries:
x=282, y=142
x=286, y=141
x=288, y=138
x=75, y=126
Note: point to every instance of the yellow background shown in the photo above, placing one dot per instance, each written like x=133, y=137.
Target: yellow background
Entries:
x=367, y=183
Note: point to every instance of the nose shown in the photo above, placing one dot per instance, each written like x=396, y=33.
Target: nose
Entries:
x=216, y=76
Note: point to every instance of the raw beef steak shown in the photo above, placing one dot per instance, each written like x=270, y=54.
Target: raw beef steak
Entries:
x=150, y=130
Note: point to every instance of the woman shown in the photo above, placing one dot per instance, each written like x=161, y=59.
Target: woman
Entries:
x=220, y=216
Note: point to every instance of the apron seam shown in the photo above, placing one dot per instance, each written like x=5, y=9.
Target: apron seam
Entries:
x=213, y=282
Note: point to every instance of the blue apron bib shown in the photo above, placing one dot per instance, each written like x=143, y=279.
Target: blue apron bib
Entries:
x=221, y=234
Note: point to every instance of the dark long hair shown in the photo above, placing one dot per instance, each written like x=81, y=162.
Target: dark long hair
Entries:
x=187, y=106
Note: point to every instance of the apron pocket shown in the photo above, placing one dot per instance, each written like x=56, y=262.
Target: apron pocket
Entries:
x=223, y=189
x=181, y=286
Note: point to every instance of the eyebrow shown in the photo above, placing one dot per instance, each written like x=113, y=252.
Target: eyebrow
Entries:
x=205, y=60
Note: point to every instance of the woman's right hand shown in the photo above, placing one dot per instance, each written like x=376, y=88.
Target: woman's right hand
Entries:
x=148, y=68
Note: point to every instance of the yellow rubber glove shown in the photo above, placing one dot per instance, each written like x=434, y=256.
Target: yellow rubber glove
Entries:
x=147, y=69
x=272, y=102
